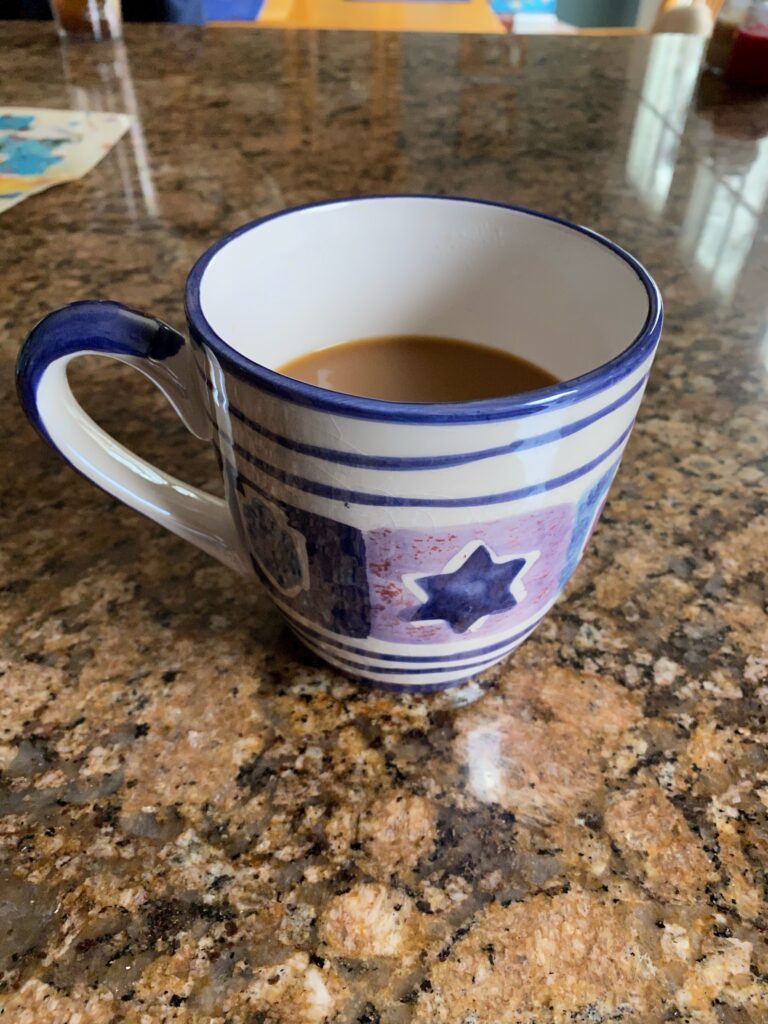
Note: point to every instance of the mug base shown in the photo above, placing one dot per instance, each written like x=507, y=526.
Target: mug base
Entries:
x=409, y=681
x=455, y=685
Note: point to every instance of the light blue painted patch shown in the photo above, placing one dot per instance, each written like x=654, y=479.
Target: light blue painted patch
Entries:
x=587, y=512
x=524, y=6
x=28, y=156
x=16, y=122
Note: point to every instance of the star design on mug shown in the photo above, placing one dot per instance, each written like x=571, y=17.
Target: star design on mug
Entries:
x=476, y=583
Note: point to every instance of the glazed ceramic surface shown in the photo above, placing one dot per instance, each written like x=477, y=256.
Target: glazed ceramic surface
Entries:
x=409, y=545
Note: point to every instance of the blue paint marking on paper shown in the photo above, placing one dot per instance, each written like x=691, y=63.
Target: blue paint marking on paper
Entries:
x=28, y=156
x=15, y=122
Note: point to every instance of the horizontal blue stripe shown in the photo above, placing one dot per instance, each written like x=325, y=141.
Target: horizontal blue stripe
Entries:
x=316, y=636
x=404, y=463
x=359, y=666
x=363, y=498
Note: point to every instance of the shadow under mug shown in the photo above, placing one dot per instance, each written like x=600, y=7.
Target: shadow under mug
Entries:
x=409, y=545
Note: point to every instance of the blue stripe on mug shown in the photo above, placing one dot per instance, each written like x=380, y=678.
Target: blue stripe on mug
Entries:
x=409, y=463
x=322, y=490
x=317, y=637
x=473, y=668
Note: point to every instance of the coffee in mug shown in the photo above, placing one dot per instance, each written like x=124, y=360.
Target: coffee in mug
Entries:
x=414, y=538
x=418, y=368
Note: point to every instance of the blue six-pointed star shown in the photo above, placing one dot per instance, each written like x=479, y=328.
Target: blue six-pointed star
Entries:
x=479, y=587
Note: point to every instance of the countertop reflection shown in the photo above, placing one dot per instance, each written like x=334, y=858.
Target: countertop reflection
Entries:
x=202, y=824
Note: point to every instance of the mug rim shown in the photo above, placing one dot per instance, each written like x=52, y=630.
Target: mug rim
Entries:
x=554, y=396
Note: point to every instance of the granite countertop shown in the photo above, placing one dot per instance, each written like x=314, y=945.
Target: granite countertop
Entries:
x=200, y=823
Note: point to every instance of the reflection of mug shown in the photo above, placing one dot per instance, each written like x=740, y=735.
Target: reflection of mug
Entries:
x=409, y=545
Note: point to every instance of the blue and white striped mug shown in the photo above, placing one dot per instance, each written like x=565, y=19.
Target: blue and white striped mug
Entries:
x=409, y=545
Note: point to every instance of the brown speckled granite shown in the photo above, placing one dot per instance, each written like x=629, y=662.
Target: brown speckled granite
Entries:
x=200, y=824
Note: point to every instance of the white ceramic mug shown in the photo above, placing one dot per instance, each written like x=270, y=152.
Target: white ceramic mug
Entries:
x=410, y=545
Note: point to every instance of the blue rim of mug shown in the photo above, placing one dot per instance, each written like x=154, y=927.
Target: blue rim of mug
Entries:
x=563, y=393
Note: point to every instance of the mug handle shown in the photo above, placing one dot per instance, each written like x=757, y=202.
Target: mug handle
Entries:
x=166, y=358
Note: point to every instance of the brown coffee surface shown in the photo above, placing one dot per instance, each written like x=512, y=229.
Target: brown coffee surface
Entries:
x=416, y=368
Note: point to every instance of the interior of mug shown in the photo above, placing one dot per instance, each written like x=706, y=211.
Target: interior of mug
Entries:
x=494, y=275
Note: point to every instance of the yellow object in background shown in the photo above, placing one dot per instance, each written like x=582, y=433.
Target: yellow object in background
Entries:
x=380, y=15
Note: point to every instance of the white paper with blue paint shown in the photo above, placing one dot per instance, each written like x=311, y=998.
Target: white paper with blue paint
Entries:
x=40, y=148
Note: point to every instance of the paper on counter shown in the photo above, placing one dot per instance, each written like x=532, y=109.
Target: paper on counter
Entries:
x=40, y=148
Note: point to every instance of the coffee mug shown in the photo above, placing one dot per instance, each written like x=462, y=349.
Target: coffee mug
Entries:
x=409, y=545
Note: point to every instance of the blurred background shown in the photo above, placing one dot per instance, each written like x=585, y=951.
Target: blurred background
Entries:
x=522, y=16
